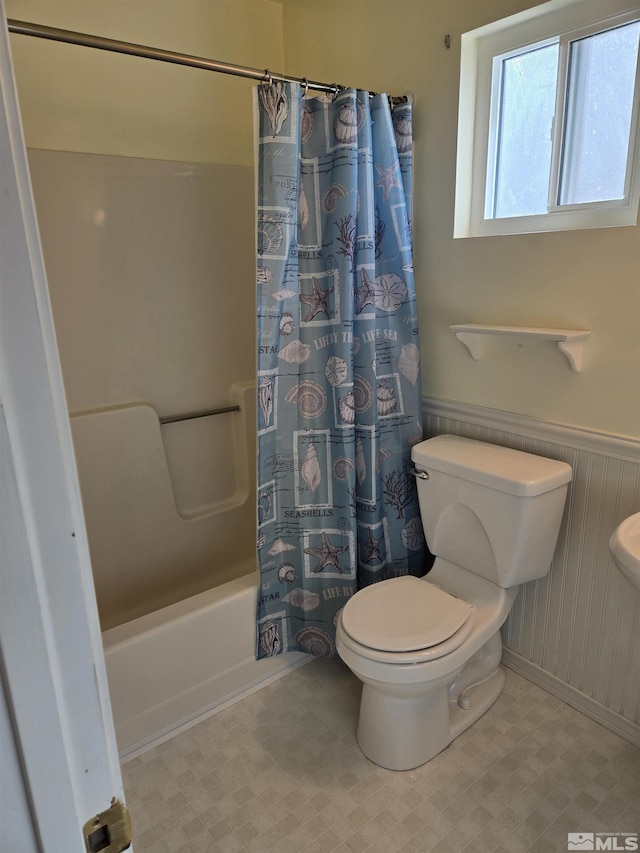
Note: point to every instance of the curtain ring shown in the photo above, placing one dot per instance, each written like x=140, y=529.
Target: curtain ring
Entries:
x=305, y=87
x=334, y=89
x=267, y=77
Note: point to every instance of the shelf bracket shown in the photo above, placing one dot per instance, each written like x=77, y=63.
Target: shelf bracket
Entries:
x=472, y=342
x=574, y=351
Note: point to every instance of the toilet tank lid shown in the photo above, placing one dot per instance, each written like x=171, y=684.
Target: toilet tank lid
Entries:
x=492, y=465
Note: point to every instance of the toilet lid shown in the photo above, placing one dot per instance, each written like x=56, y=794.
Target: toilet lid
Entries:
x=403, y=615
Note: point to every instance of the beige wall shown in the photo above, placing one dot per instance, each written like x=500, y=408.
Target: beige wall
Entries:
x=581, y=279
x=77, y=99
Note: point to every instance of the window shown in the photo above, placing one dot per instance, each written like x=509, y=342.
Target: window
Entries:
x=548, y=121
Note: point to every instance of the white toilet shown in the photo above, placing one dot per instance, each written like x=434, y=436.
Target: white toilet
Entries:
x=428, y=649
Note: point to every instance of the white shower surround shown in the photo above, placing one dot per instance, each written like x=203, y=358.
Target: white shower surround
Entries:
x=150, y=270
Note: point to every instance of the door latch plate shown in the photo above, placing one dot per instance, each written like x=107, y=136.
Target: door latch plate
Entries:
x=109, y=831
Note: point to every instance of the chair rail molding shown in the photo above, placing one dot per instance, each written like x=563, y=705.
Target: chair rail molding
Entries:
x=609, y=444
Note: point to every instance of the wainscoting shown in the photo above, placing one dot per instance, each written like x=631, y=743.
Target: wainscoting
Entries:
x=577, y=631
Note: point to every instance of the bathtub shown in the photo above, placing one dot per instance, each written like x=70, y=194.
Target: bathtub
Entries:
x=171, y=668
x=171, y=532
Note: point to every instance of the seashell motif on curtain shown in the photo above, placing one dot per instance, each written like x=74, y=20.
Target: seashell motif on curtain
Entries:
x=270, y=236
x=362, y=394
x=310, y=470
x=263, y=275
x=275, y=103
x=413, y=534
x=361, y=465
x=349, y=120
x=386, y=400
x=347, y=409
x=403, y=132
x=387, y=292
x=310, y=397
x=265, y=398
x=286, y=573
x=303, y=209
x=269, y=639
x=332, y=196
x=287, y=324
x=341, y=468
x=303, y=599
x=336, y=370
x=390, y=292
x=283, y=293
x=295, y=353
x=279, y=547
x=383, y=454
x=409, y=361
x=307, y=123
x=265, y=507
x=316, y=642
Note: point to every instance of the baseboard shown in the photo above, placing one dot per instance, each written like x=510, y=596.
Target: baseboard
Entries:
x=213, y=708
x=587, y=706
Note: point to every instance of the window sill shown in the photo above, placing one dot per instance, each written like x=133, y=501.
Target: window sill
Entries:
x=600, y=215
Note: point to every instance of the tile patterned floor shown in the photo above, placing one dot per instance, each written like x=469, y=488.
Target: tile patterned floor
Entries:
x=281, y=771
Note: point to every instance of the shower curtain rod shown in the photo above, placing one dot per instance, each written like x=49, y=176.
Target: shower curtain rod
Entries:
x=85, y=40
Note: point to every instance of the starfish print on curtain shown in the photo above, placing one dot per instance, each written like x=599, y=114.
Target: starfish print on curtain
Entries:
x=317, y=301
x=328, y=554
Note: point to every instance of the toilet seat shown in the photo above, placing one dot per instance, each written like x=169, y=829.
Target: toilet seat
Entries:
x=406, y=619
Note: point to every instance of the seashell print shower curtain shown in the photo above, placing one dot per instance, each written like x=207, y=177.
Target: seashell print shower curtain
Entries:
x=338, y=360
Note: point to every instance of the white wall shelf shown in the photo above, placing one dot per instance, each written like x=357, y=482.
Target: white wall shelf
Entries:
x=570, y=341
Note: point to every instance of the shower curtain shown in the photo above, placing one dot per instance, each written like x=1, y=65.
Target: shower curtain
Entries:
x=338, y=397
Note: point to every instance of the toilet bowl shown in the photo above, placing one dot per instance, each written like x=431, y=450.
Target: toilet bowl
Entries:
x=428, y=649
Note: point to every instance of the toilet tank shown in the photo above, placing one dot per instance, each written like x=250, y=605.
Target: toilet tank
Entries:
x=489, y=509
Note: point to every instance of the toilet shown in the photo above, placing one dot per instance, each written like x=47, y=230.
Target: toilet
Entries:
x=428, y=650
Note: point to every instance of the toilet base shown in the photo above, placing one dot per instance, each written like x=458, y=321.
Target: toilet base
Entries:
x=401, y=728
x=399, y=732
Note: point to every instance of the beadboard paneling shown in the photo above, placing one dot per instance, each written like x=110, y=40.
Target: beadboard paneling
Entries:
x=580, y=625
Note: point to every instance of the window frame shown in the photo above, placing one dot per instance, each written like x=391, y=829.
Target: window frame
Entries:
x=558, y=21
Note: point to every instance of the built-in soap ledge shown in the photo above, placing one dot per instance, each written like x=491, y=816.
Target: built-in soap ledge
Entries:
x=570, y=341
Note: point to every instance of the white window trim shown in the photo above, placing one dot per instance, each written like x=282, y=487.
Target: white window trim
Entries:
x=559, y=18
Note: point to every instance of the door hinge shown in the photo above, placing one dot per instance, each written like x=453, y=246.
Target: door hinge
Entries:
x=109, y=831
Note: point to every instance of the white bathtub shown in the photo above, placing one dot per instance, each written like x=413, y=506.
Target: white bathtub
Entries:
x=171, y=668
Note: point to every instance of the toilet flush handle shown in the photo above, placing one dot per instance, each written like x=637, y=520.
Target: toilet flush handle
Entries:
x=422, y=475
